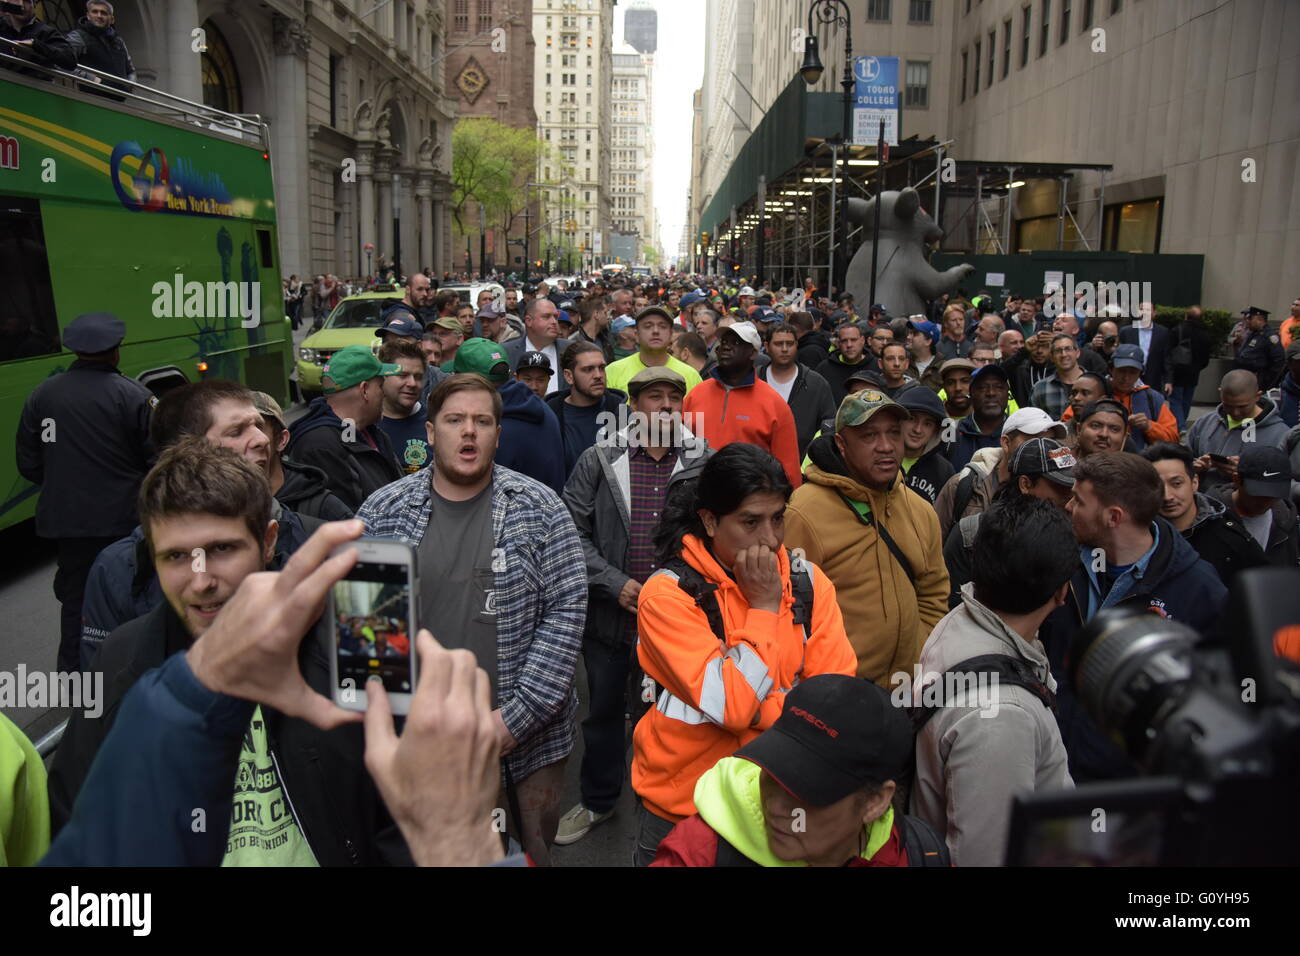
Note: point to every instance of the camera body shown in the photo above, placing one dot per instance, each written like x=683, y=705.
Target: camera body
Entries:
x=1213, y=721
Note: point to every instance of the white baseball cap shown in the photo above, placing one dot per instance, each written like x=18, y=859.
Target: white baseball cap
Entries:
x=1033, y=421
x=747, y=332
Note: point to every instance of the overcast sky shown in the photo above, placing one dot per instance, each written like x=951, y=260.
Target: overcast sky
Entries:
x=678, y=72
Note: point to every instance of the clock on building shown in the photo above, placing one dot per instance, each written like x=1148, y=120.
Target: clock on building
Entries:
x=472, y=80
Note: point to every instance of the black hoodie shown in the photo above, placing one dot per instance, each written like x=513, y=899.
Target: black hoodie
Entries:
x=306, y=491
x=353, y=469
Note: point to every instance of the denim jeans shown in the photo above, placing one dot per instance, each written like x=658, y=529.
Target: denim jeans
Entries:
x=604, y=735
x=650, y=832
x=1181, y=402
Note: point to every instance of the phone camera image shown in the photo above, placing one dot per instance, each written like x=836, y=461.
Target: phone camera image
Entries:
x=372, y=627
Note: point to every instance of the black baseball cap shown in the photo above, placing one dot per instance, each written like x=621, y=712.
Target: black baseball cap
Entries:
x=1047, y=458
x=1111, y=405
x=534, y=360
x=835, y=735
x=1265, y=471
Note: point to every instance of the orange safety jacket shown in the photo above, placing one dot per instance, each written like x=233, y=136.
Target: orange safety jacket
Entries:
x=716, y=696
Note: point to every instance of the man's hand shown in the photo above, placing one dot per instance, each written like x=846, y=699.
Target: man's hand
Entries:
x=627, y=597
x=759, y=577
x=504, y=737
x=1229, y=467
x=1169, y=389
x=251, y=649
x=1098, y=342
x=1202, y=464
x=440, y=778
x=1139, y=421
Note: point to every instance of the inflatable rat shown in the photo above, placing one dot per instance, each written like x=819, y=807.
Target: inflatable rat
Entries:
x=905, y=280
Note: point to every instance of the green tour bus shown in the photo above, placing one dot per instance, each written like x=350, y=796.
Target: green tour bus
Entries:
x=142, y=204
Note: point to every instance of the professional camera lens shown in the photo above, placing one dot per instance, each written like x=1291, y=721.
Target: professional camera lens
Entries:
x=1128, y=667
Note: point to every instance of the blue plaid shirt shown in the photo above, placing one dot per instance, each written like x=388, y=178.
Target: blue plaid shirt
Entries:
x=541, y=599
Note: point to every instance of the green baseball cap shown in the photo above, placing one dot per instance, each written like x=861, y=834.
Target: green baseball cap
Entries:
x=483, y=356
x=351, y=366
x=859, y=407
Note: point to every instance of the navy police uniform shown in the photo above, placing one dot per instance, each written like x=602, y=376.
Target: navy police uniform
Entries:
x=84, y=438
x=1262, y=353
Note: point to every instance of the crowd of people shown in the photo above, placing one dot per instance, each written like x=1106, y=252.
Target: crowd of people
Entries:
x=753, y=512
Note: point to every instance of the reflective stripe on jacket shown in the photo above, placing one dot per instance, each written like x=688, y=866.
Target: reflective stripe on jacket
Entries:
x=717, y=697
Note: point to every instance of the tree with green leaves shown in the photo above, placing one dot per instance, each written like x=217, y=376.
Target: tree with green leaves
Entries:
x=490, y=163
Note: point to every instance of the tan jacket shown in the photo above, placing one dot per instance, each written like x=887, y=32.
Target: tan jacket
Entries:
x=887, y=620
x=972, y=757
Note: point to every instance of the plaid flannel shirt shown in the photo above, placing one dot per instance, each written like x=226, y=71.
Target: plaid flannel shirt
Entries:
x=541, y=599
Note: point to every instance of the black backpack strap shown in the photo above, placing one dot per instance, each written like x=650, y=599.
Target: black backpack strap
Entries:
x=1013, y=671
x=700, y=591
x=923, y=844
x=965, y=492
x=801, y=583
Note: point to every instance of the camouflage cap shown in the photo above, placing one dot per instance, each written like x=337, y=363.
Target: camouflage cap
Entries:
x=858, y=408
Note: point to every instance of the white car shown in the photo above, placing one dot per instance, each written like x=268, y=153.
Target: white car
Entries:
x=469, y=292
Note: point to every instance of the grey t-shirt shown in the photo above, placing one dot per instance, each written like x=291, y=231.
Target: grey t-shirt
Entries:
x=457, y=601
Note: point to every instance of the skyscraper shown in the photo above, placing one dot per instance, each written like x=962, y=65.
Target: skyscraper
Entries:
x=641, y=28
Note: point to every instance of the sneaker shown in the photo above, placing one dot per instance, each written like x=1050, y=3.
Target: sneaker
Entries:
x=577, y=823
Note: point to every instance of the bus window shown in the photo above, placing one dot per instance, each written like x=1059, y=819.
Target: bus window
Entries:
x=28, y=324
x=264, y=246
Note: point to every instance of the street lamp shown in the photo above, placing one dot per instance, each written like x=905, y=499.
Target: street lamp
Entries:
x=827, y=12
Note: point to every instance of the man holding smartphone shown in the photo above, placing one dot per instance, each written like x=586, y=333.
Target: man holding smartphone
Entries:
x=206, y=513
x=502, y=575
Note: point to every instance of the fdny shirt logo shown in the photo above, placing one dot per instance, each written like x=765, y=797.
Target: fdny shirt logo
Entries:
x=416, y=454
x=1157, y=606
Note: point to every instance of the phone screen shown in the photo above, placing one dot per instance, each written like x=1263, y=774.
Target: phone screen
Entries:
x=372, y=626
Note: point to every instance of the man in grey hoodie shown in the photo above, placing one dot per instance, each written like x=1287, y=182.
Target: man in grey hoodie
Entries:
x=1244, y=416
x=988, y=739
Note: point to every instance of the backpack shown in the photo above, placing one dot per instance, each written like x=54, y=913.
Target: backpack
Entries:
x=702, y=592
x=1180, y=356
x=1012, y=671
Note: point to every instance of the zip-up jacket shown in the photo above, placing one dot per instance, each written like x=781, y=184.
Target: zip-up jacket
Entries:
x=837, y=372
x=609, y=402
x=1212, y=434
x=810, y=403
x=717, y=697
x=323, y=773
x=980, y=749
x=887, y=617
x=599, y=497
x=1222, y=540
x=730, y=829
x=1283, y=548
x=353, y=469
x=1177, y=584
x=970, y=439
x=1024, y=374
x=750, y=412
x=985, y=483
x=1290, y=410
x=531, y=442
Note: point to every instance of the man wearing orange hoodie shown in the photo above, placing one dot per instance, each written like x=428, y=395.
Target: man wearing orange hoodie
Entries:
x=724, y=663
x=1150, y=419
x=734, y=404
x=877, y=540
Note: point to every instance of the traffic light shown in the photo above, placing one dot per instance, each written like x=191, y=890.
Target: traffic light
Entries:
x=704, y=241
x=537, y=263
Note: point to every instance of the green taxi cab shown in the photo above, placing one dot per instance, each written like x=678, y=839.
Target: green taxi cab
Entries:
x=354, y=321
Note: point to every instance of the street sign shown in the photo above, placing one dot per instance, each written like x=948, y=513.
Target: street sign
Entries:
x=876, y=96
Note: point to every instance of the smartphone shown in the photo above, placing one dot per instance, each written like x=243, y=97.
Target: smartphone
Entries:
x=371, y=614
x=1220, y=459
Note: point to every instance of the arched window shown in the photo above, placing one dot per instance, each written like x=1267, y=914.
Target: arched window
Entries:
x=220, y=78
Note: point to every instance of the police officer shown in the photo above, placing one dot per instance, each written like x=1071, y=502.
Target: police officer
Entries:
x=84, y=438
x=1262, y=353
